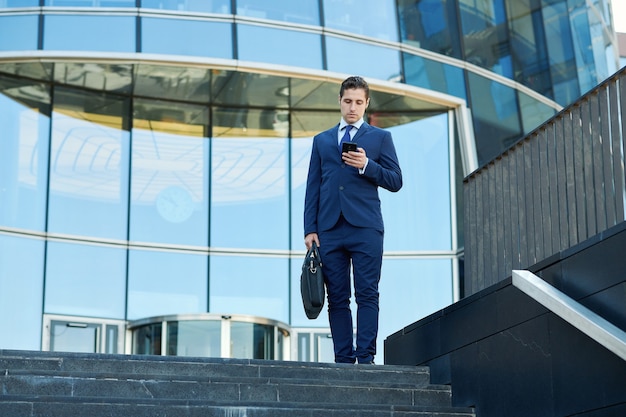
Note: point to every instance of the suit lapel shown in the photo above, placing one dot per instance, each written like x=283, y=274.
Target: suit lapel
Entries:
x=360, y=132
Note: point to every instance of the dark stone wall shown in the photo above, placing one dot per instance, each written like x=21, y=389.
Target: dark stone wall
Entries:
x=507, y=355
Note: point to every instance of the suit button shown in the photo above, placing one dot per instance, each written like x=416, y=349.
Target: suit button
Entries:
x=341, y=188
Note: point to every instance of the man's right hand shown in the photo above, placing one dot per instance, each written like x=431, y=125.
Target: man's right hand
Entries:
x=309, y=239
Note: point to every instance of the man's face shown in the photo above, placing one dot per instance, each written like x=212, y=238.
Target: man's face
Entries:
x=353, y=104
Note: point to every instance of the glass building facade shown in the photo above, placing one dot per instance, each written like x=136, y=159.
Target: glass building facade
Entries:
x=153, y=155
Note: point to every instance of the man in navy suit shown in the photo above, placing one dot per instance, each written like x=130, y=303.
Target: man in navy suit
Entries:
x=342, y=216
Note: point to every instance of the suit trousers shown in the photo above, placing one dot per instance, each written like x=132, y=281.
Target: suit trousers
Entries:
x=341, y=246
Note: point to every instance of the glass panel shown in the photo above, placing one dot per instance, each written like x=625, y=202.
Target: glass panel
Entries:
x=422, y=145
x=161, y=283
x=194, y=338
x=18, y=33
x=23, y=153
x=485, y=35
x=170, y=173
x=172, y=83
x=89, y=165
x=21, y=292
x=147, y=339
x=534, y=112
x=411, y=289
x=561, y=52
x=324, y=351
x=382, y=63
x=94, y=76
x=434, y=75
x=249, y=90
x=89, y=33
x=18, y=3
x=111, y=339
x=318, y=95
x=251, y=341
x=90, y=3
x=304, y=347
x=302, y=11
x=495, y=117
x=284, y=43
x=213, y=6
x=528, y=45
x=430, y=24
x=183, y=37
x=249, y=194
x=582, y=33
x=251, y=285
x=300, y=157
x=375, y=18
x=85, y=280
x=74, y=337
x=37, y=70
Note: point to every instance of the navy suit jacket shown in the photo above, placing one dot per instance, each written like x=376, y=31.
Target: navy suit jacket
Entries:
x=334, y=187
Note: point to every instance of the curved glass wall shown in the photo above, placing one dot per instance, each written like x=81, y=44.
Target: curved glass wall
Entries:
x=211, y=335
x=175, y=180
x=556, y=50
x=151, y=201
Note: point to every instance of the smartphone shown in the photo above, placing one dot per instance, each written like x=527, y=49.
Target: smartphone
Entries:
x=348, y=146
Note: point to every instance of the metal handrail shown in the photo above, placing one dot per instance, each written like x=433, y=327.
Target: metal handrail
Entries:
x=608, y=335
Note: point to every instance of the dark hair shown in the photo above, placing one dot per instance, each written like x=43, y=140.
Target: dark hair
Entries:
x=355, y=82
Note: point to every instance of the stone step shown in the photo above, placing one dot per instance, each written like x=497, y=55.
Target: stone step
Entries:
x=114, y=408
x=34, y=383
x=188, y=368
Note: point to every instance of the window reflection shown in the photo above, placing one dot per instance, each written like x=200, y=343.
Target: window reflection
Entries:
x=534, y=112
x=284, y=43
x=21, y=294
x=23, y=153
x=18, y=33
x=95, y=76
x=170, y=173
x=180, y=37
x=90, y=3
x=301, y=11
x=485, y=35
x=375, y=18
x=249, y=194
x=147, y=339
x=162, y=283
x=89, y=165
x=172, y=83
x=434, y=75
x=250, y=285
x=89, y=33
x=85, y=280
x=419, y=218
x=402, y=282
x=495, y=115
x=530, y=59
x=382, y=63
x=251, y=341
x=213, y=6
x=561, y=52
x=200, y=338
x=430, y=24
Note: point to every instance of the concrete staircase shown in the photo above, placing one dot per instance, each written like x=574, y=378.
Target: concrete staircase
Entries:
x=54, y=384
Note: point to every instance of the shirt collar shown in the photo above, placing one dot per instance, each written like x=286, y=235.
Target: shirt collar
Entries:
x=358, y=124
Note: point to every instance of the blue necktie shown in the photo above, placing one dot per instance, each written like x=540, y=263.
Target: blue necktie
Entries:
x=346, y=136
